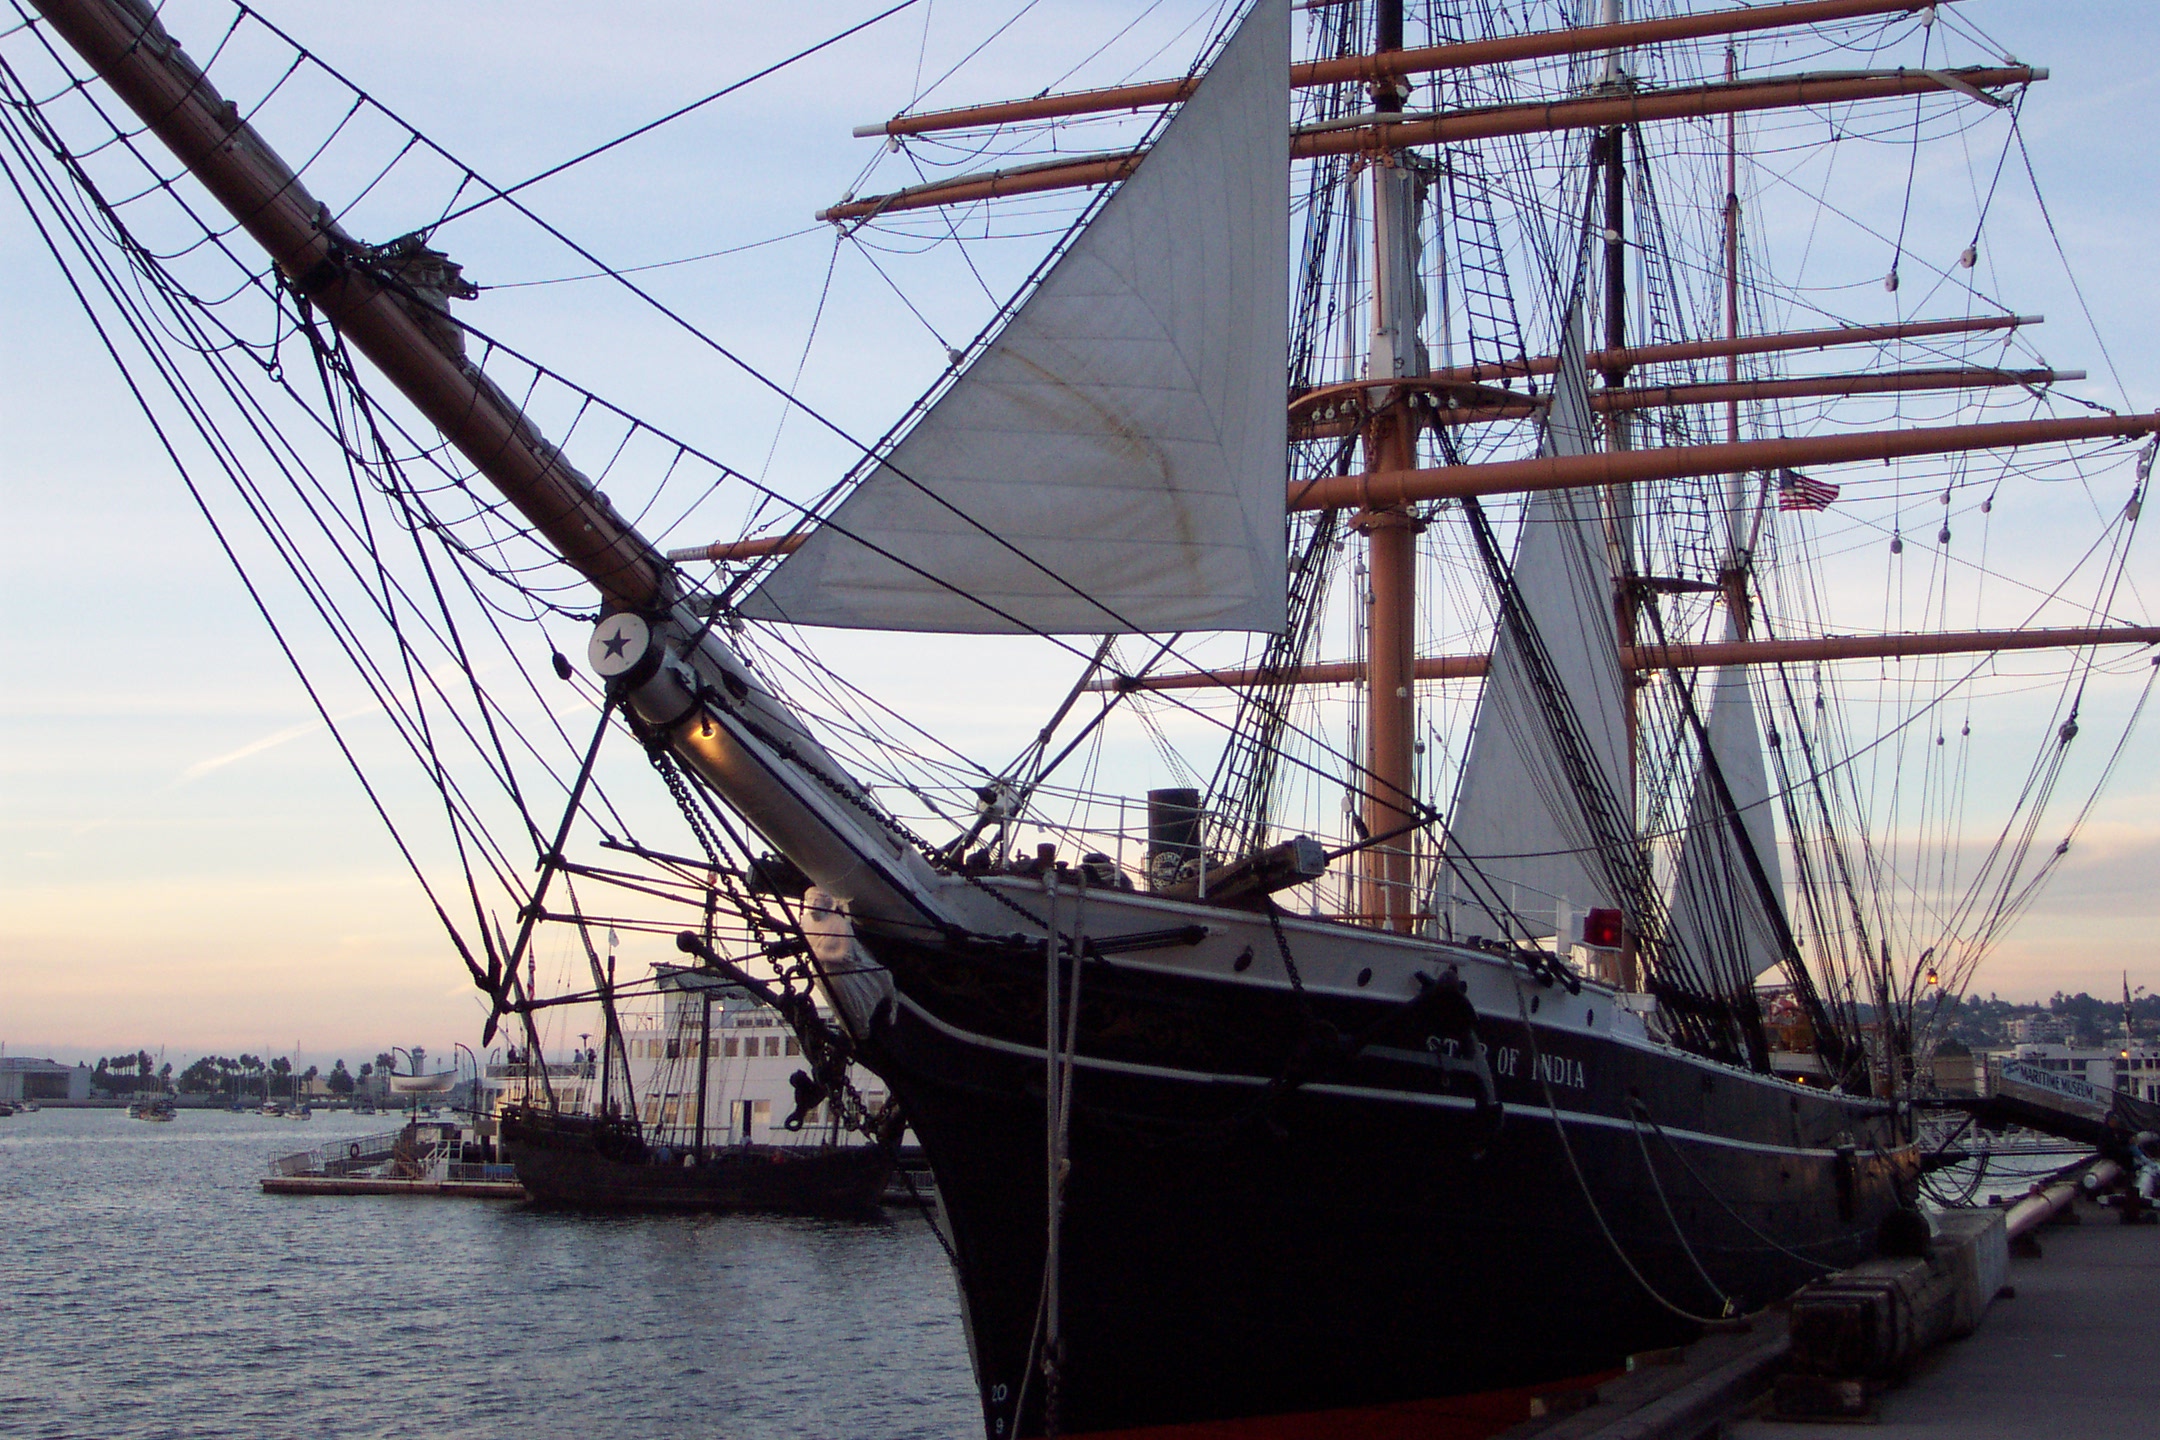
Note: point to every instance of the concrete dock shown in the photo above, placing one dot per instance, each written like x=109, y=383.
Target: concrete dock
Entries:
x=2071, y=1352
x=2075, y=1354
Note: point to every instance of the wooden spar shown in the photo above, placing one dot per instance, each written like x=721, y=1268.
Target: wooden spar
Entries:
x=1825, y=339
x=998, y=184
x=1324, y=672
x=1388, y=792
x=1391, y=65
x=1375, y=133
x=145, y=67
x=1566, y=472
x=1308, y=417
x=741, y=549
x=1885, y=647
x=1684, y=656
x=1954, y=437
x=1694, y=102
x=1654, y=397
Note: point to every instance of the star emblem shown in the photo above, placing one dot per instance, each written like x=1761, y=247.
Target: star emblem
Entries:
x=617, y=645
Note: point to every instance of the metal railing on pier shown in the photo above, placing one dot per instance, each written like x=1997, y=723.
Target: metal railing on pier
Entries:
x=340, y=1158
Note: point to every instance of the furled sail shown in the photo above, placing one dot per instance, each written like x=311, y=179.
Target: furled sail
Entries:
x=1717, y=907
x=1516, y=836
x=1114, y=460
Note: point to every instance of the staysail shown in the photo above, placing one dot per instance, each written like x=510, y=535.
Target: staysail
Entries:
x=1717, y=905
x=1114, y=460
x=1516, y=836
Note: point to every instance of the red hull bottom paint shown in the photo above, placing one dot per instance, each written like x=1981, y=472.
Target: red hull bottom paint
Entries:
x=1458, y=1417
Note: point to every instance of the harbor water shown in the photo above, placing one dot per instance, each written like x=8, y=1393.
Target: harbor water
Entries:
x=152, y=1290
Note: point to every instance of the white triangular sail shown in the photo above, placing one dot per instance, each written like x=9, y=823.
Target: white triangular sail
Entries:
x=1716, y=901
x=1516, y=835
x=1114, y=461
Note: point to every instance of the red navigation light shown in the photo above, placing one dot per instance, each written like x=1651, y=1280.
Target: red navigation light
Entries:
x=1601, y=929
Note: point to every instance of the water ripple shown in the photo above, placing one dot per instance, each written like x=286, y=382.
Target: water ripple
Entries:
x=154, y=1293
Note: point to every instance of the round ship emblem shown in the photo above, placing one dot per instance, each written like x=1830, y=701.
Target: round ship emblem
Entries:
x=618, y=643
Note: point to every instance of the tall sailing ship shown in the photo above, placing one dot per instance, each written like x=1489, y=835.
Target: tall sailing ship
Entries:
x=1513, y=981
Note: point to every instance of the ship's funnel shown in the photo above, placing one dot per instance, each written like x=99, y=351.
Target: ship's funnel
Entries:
x=1173, y=834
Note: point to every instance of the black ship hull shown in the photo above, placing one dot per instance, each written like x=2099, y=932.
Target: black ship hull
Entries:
x=579, y=1163
x=1285, y=1203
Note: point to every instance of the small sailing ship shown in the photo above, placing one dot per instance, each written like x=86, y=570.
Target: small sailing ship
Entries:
x=594, y=1162
x=1372, y=1080
x=704, y=1137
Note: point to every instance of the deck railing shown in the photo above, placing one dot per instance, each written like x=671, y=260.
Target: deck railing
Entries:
x=340, y=1157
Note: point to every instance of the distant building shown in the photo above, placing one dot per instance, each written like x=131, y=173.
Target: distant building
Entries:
x=2131, y=1068
x=1956, y=1070
x=2037, y=1030
x=22, y=1078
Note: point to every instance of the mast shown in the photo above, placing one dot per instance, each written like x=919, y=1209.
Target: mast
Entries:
x=610, y=1041
x=704, y=1065
x=1387, y=803
x=1610, y=153
x=1736, y=562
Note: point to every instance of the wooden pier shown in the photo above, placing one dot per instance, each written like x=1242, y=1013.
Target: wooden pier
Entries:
x=423, y=1158
x=377, y=1185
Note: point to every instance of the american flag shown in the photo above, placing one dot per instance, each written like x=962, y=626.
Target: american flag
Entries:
x=1796, y=492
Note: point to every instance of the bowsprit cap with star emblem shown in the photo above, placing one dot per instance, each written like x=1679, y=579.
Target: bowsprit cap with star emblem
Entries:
x=620, y=643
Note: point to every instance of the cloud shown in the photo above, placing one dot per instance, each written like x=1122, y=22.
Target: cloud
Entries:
x=2110, y=864
x=268, y=742
x=254, y=747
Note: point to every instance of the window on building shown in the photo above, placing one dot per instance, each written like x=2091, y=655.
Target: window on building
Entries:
x=794, y=1046
x=728, y=1046
x=772, y=1044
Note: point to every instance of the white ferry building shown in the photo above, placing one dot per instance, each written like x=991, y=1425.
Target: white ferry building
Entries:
x=709, y=1037
x=2130, y=1066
